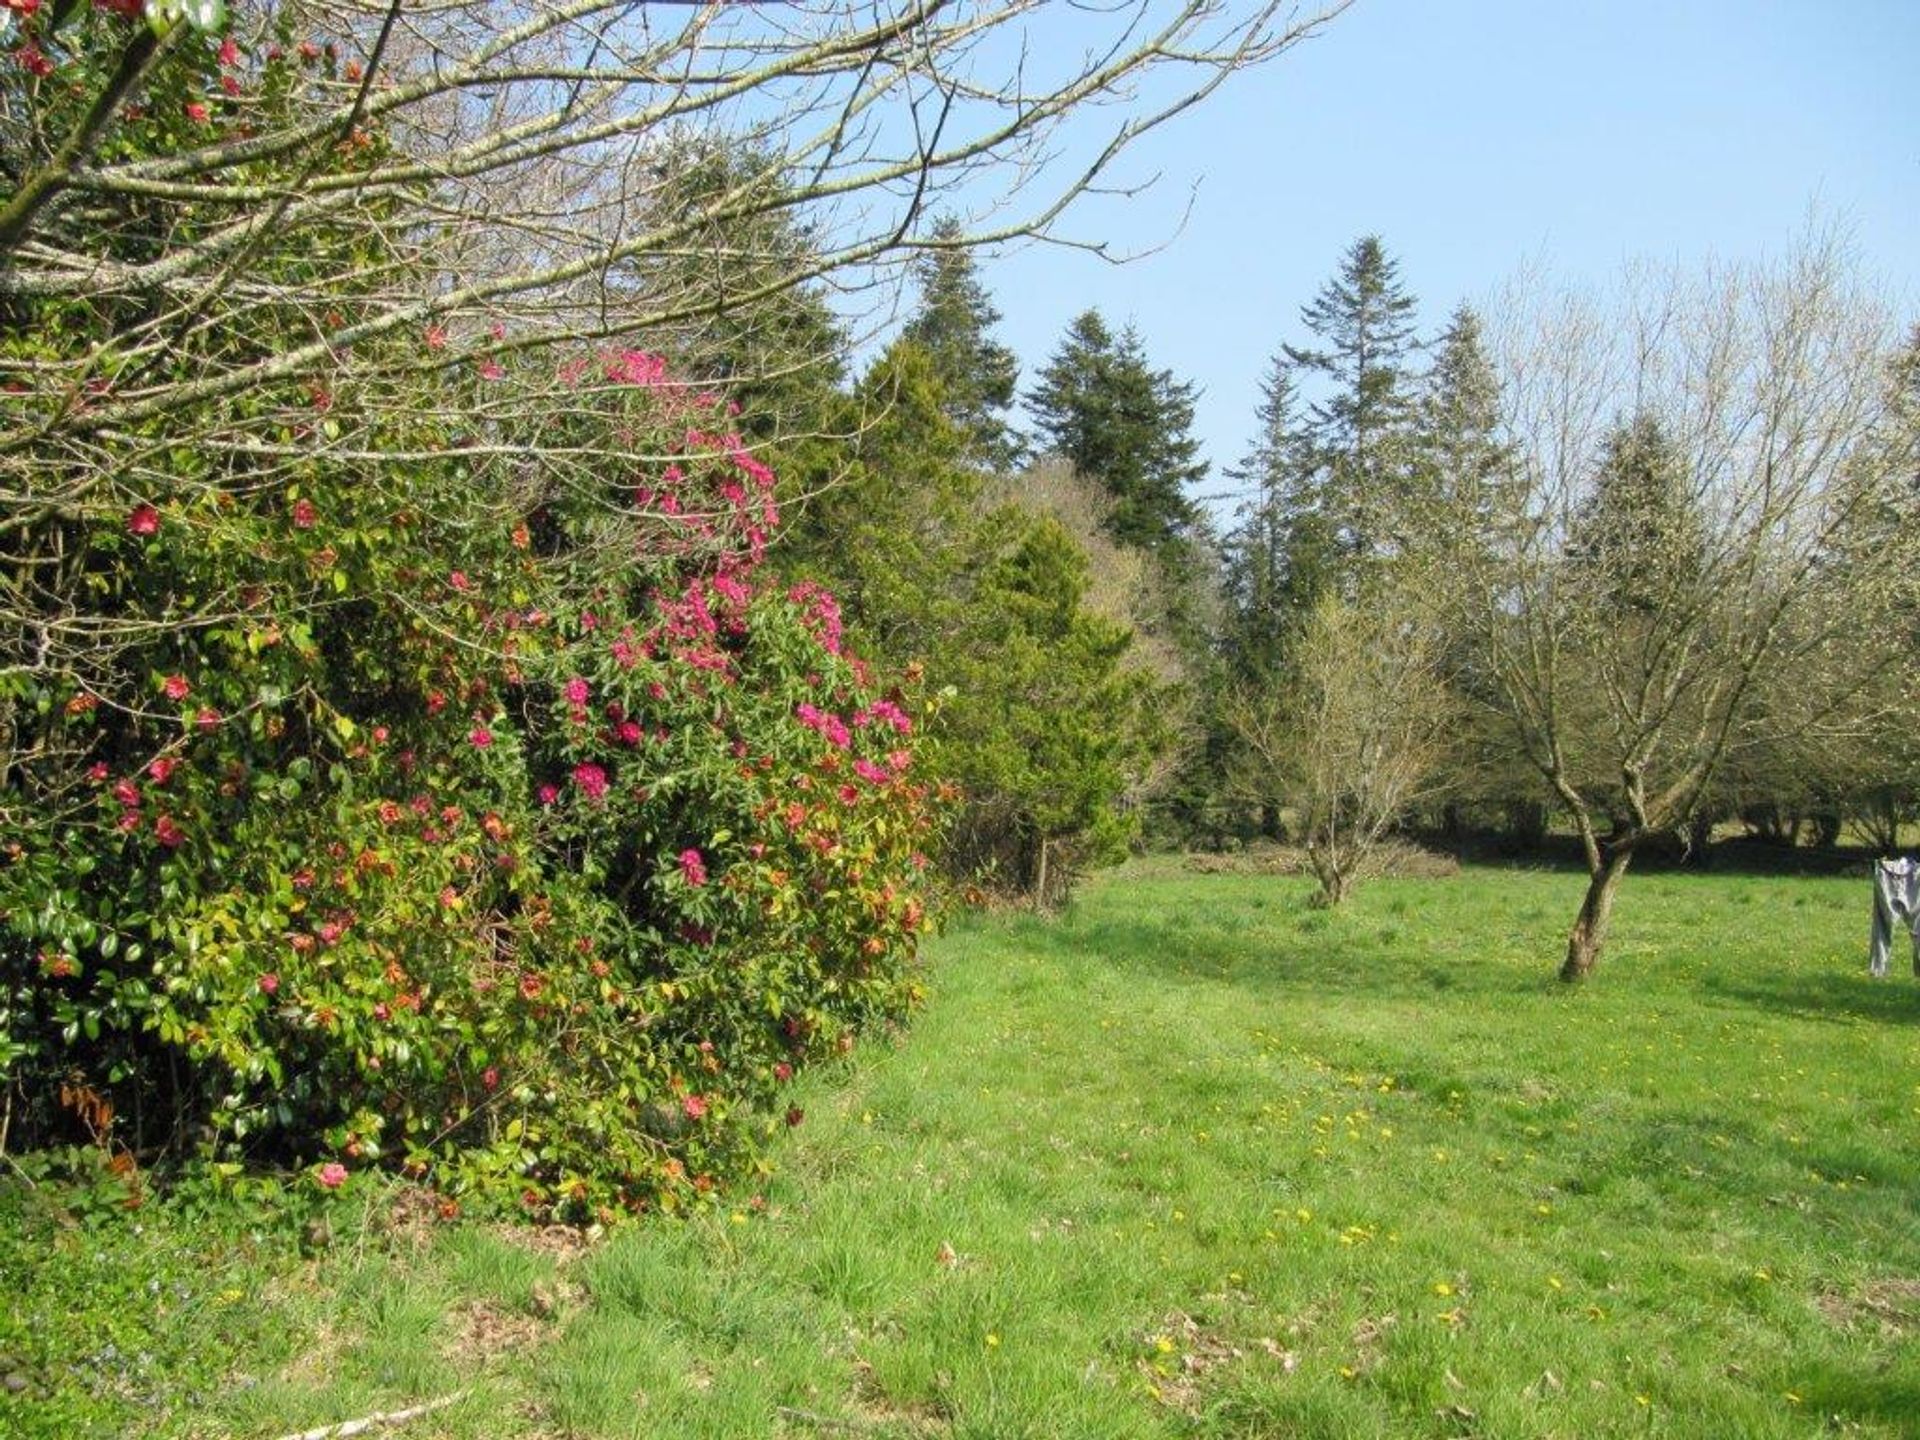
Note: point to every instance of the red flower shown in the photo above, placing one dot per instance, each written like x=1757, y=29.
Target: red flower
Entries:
x=531, y=986
x=127, y=793
x=459, y=581
x=304, y=515
x=197, y=112
x=783, y=1072
x=143, y=520
x=436, y=702
x=269, y=983
x=693, y=867
x=591, y=778
x=695, y=1106
x=795, y=1115
x=208, y=718
x=32, y=60
x=229, y=52
x=576, y=691
x=175, y=687
x=162, y=768
x=168, y=833
x=490, y=1077
x=98, y=772
x=548, y=794
x=436, y=338
x=480, y=737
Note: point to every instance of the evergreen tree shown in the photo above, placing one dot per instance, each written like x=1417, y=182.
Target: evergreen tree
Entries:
x=1465, y=469
x=1271, y=577
x=1364, y=322
x=976, y=372
x=1639, y=536
x=1102, y=407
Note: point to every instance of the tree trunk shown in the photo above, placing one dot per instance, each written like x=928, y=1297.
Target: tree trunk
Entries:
x=1040, y=884
x=1590, y=930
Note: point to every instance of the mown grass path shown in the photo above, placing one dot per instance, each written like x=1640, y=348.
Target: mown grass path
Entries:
x=1199, y=1160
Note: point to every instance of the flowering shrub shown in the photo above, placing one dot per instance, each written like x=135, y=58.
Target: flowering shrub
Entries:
x=528, y=846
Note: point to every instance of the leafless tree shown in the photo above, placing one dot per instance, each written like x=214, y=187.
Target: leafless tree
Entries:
x=1629, y=671
x=1357, y=731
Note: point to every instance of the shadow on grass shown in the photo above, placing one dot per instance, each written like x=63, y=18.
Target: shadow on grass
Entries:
x=1348, y=956
x=1836, y=999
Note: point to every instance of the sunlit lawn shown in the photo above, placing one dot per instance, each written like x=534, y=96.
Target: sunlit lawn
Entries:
x=1194, y=1160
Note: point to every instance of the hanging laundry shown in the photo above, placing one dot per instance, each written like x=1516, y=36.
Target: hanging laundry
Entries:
x=1896, y=902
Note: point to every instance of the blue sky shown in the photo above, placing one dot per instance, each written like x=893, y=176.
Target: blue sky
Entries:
x=1478, y=136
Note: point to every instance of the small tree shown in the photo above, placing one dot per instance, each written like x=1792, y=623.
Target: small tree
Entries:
x=1352, y=737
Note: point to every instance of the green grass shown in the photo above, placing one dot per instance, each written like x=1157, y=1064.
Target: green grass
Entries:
x=1199, y=1160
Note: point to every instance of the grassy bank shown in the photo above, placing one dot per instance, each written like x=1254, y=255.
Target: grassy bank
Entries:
x=1194, y=1160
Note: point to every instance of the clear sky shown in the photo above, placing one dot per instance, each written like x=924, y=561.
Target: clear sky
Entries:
x=1478, y=136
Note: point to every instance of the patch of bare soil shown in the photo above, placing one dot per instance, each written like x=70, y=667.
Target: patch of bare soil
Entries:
x=1892, y=1305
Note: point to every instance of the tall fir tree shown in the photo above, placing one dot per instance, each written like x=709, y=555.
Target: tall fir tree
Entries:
x=1271, y=555
x=1102, y=407
x=977, y=373
x=1363, y=320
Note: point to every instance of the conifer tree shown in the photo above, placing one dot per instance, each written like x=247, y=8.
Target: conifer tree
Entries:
x=1270, y=574
x=1102, y=407
x=977, y=373
x=1363, y=320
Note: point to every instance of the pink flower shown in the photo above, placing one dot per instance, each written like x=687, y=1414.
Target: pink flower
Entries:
x=175, y=687
x=197, y=112
x=548, y=794
x=693, y=867
x=480, y=737
x=576, y=691
x=331, y=1176
x=436, y=338
x=459, y=581
x=871, y=773
x=168, y=833
x=304, y=515
x=269, y=983
x=695, y=1106
x=490, y=1077
x=127, y=793
x=492, y=370
x=591, y=779
x=98, y=771
x=229, y=52
x=33, y=60
x=143, y=520
x=848, y=795
x=207, y=718
x=162, y=768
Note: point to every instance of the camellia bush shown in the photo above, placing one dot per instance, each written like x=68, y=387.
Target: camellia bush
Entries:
x=531, y=854
x=405, y=758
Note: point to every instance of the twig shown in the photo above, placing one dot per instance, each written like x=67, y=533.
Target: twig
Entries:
x=383, y=1419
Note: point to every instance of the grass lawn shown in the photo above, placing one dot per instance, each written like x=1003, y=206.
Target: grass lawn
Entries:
x=1194, y=1160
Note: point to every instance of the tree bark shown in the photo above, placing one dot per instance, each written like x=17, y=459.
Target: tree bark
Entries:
x=1589, y=933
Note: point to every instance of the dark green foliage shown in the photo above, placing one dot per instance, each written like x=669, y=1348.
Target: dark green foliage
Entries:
x=1100, y=405
x=1359, y=431
x=976, y=373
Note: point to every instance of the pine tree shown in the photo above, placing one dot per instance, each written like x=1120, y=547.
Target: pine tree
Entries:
x=1464, y=487
x=1364, y=321
x=952, y=324
x=1102, y=407
x=1271, y=574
